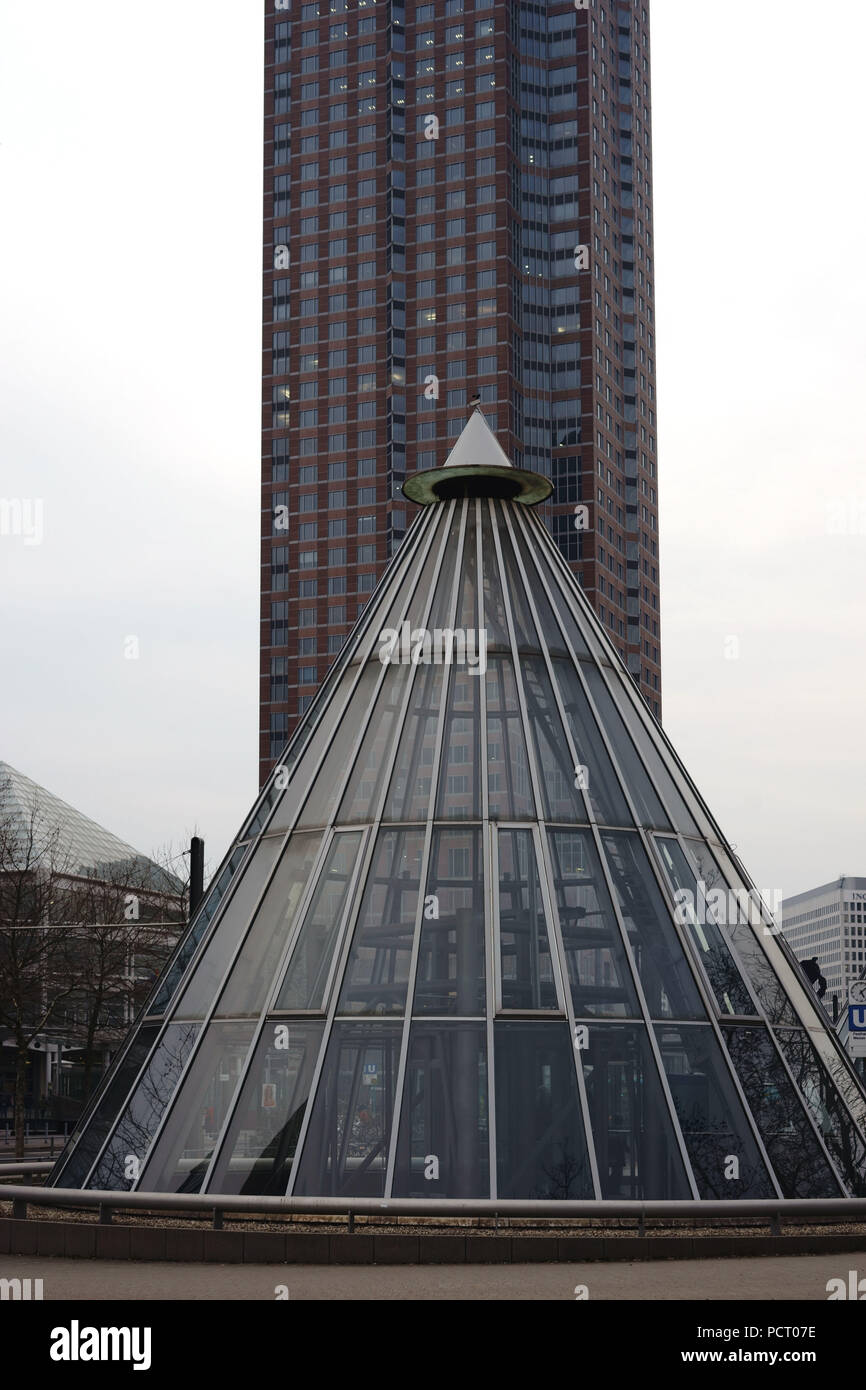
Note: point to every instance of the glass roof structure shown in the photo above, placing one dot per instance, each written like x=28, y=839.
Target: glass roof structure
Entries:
x=480, y=936
x=68, y=840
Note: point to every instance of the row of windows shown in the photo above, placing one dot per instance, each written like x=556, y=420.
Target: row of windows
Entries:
x=309, y=502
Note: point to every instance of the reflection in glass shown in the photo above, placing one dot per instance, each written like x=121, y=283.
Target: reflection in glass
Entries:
x=605, y=794
x=801, y=1168
x=667, y=980
x=361, y=799
x=467, y=609
x=635, y=1142
x=648, y=807
x=200, y=923
x=204, y=982
x=459, y=795
x=257, y=1153
x=525, y=635
x=598, y=970
x=698, y=914
x=495, y=620
x=409, y=793
x=74, y=1170
x=548, y=570
x=651, y=758
x=322, y=800
x=442, y=1149
x=183, y=1150
x=524, y=949
x=819, y=1089
x=451, y=974
x=540, y=1141
x=761, y=976
x=345, y=1152
x=250, y=983
x=563, y=801
x=313, y=952
x=127, y=1149
x=378, y=968
x=711, y=1116
x=550, y=629
x=509, y=789
x=303, y=767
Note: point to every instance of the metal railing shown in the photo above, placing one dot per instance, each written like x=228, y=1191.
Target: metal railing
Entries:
x=774, y=1211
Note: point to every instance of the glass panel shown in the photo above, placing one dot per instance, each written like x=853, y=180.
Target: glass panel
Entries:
x=121, y=1162
x=550, y=629
x=525, y=635
x=409, y=794
x=345, y=1152
x=310, y=961
x=467, y=610
x=598, y=969
x=572, y=631
x=524, y=949
x=652, y=759
x=378, y=969
x=203, y=917
x=451, y=975
x=559, y=779
x=201, y=990
x=605, y=794
x=698, y=915
x=303, y=768
x=391, y=605
x=75, y=1168
x=540, y=1140
x=252, y=978
x=183, y=1150
x=648, y=807
x=442, y=1149
x=635, y=1143
x=419, y=600
x=361, y=800
x=801, y=1168
x=259, y=1147
x=330, y=779
x=459, y=795
x=761, y=976
x=711, y=1116
x=509, y=789
x=494, y=604
x=667, y=980
x=839, y=1068
x=819, y=1087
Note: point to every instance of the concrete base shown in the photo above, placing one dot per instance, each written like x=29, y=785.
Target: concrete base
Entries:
x=80, y=1240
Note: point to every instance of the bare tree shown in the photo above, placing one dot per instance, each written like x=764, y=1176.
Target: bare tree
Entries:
x=79, y=948
x=36, y=959
x=128, y=920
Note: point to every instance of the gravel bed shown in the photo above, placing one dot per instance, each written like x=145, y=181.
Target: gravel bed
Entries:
x=479, y=1226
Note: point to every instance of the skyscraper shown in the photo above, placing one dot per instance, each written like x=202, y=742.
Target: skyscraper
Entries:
x=458, y=205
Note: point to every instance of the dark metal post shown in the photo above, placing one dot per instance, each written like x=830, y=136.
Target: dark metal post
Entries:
x=196, y=873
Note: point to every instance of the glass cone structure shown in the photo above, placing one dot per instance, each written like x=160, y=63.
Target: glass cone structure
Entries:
x=480, y=937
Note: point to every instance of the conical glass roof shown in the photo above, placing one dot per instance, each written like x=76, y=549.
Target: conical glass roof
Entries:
x=480, y=937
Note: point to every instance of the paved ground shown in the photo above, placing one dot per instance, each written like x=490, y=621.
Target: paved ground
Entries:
x=782, y=1277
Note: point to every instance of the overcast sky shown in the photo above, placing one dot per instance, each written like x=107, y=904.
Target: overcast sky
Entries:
x=130, y=156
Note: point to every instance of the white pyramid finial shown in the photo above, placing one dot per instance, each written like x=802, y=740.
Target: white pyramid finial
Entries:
x=478, y=446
